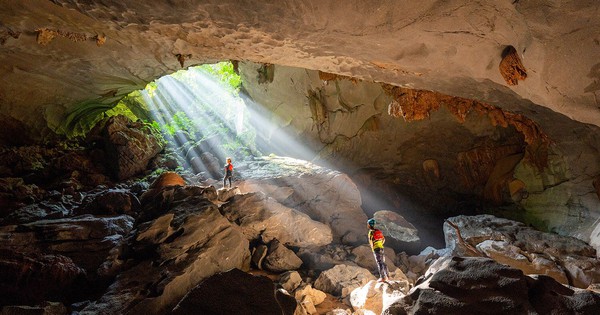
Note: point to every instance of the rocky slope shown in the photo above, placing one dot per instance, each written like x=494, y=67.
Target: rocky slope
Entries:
x=179, y=244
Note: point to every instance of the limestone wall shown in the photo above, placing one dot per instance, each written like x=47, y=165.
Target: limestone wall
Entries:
x=536, y=165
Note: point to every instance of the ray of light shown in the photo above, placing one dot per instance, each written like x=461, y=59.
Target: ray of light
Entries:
x=209, y=105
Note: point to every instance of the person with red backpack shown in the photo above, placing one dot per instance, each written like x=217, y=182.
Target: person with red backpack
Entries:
x=376, y=240
x=228, y=173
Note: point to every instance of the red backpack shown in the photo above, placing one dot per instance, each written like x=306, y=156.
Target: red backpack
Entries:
x=377, y=235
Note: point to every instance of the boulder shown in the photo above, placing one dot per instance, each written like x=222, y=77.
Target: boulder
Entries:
x=316, y=296
x=15, y=187
x=87, y=165
x=529, y=263
x=415, y=266
x=236, y=292
x=457, y=285
x=129, y=146
x=177, y=250
x=85, y=239
x=395, y=227
x=325, y=195
x=259, y=215
x=279, y=258
x=290, y=280
x=152, y=195
x=342, y=279
x=315, y=260
x=110, y=202
x=224, y=194
x=18, y=161
x=308, y=305
x=566, y=259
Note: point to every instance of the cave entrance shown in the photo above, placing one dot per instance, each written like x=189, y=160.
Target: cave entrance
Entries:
x=205, y=115
x=200, y=114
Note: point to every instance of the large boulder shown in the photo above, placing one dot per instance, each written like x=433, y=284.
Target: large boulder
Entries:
x=325, y=195
x=236, y=292
x=415, y=266
x=280, y=259
x=178, y=250
x=264, y=217
x=566, y=259
x=456, y=285
x=395, y=227
x=129, y=146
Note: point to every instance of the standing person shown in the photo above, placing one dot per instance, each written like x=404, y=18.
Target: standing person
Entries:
x=376, y=240
x=228, y=173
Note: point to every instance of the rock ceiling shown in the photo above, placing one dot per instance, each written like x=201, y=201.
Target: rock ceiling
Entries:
x=57, y=54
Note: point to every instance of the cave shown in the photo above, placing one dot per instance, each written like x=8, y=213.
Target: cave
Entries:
x=469, y=130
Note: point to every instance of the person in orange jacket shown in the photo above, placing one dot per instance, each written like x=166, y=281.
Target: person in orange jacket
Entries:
x=228, y=173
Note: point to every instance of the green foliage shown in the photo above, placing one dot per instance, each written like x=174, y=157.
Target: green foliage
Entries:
x=178, y=122
x=86, y=115
x=225, y=73
x=184, y=101
x=121, y=109
x=155, y=130
x=135, y=104
x=183, y=122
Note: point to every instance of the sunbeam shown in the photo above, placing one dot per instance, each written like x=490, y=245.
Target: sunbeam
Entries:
x=206, y=120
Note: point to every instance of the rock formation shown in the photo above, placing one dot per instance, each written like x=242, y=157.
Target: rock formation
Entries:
x=455, y=285
x=566, y=259
x=428, y=109
x=442, y=154
x=324, y=195
x=253, y=295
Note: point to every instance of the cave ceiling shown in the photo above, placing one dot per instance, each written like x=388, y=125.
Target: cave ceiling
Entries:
x=55, y=55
